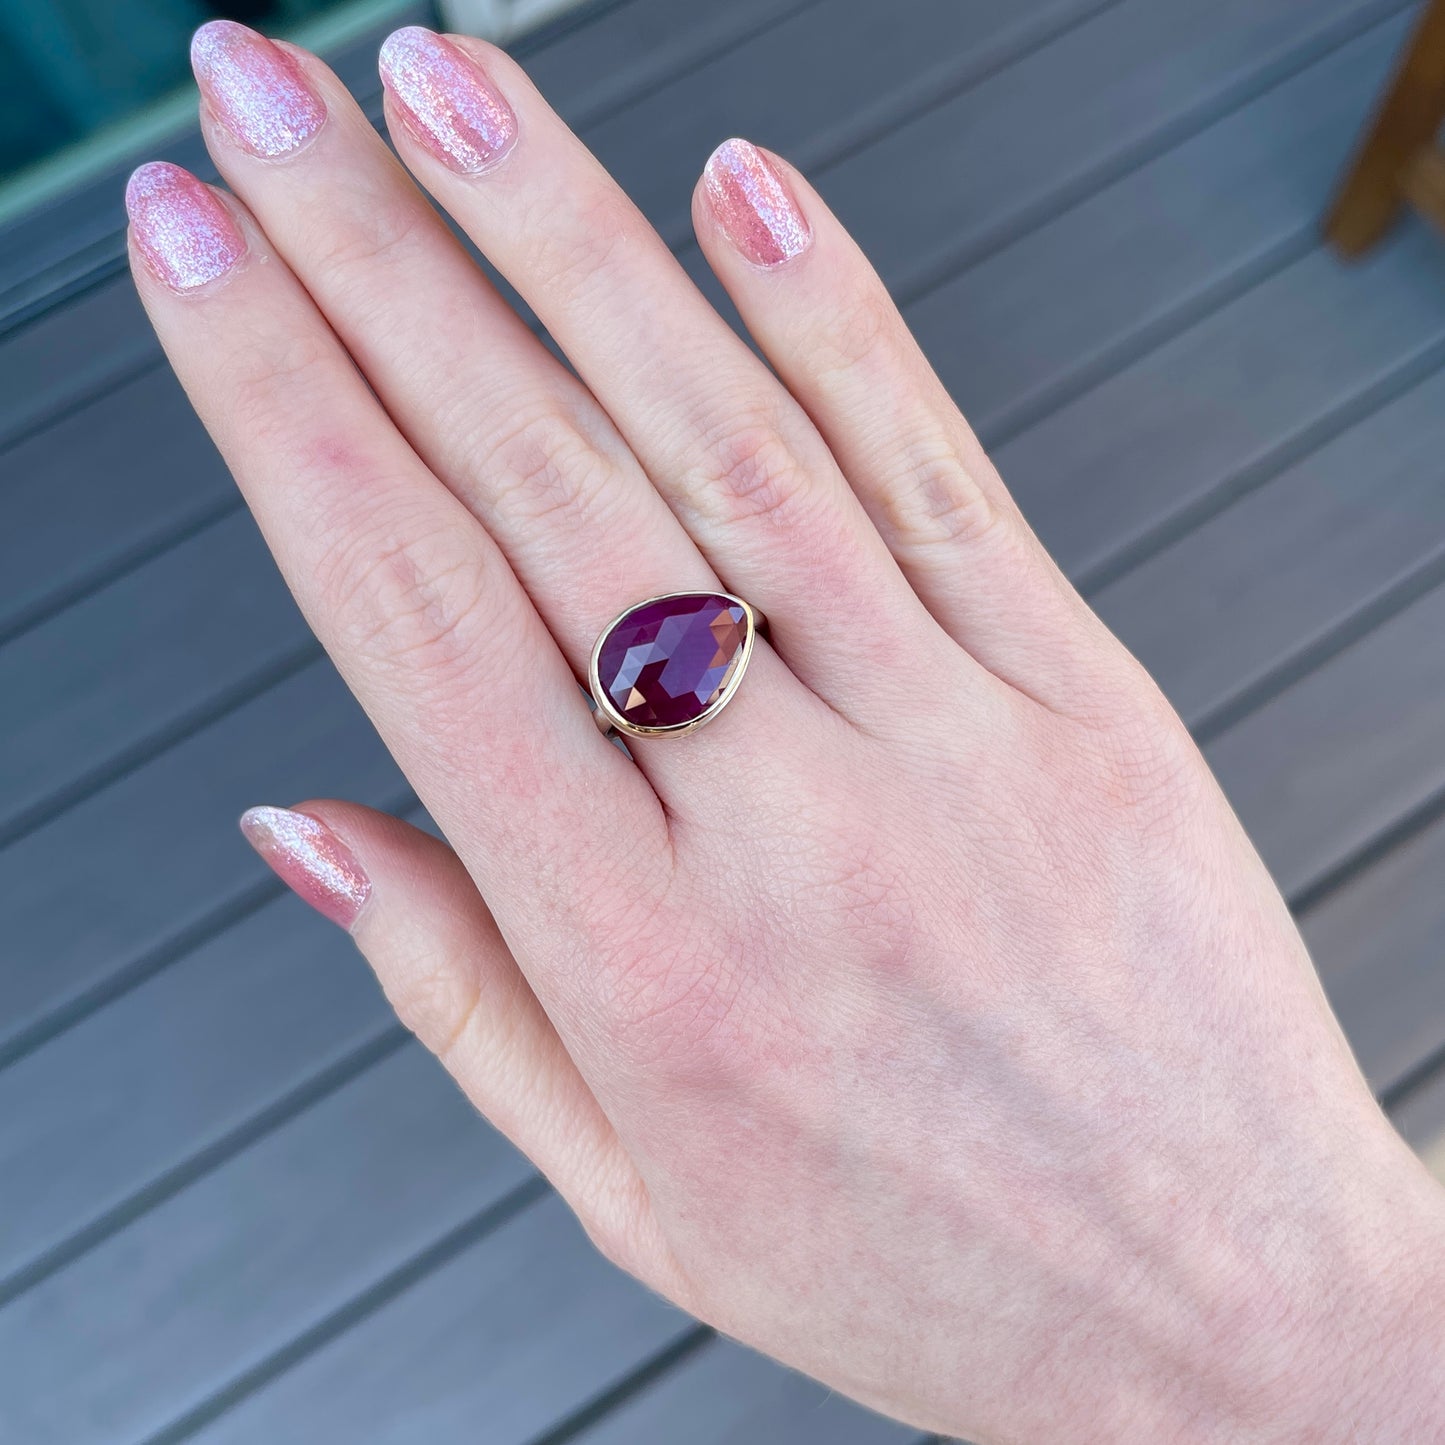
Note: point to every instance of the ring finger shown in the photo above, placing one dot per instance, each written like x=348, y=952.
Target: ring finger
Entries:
x=720, y=438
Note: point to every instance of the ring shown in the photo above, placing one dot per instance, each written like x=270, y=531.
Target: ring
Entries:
x=667, y=665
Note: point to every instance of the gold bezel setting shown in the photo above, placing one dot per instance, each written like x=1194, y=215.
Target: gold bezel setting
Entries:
x=611, y=721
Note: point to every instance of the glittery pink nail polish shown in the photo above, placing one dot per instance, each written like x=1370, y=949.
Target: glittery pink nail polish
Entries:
x=310, y=860
x=255, y=89
x=185, y=234
x=446, y=100
x=753, y=204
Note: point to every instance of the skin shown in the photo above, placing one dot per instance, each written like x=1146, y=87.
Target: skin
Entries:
x=926, y=1021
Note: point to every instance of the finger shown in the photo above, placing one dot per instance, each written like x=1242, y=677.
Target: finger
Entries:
x=517, y=438
x=408, y=594
x=826, y=322
x=416, y=916
x=735, y=456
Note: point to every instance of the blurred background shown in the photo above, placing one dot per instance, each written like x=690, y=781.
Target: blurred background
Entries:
x=237, y=1203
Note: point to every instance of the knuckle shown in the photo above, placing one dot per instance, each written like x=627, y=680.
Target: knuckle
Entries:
x=573, y=251
x=436, y=997
x=855, y=333
x=938, y=501
x=377, y=232
x=753, y=474
x=269, y=386
x=407, y=600
x=542, y=468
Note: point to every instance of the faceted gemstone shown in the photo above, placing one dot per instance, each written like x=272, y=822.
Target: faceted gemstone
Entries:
x=665, y=663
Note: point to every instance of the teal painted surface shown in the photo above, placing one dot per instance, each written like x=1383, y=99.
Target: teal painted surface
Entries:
x=68, y=68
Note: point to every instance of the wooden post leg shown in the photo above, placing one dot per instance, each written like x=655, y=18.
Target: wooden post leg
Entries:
x=1407, y=120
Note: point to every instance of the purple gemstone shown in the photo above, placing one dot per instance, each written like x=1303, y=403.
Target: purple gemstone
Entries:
x=665, y=663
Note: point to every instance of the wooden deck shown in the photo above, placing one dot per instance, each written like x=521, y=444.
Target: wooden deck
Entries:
x=237, y=1205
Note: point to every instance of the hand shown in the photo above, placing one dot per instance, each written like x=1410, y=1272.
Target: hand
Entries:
x=926, y=1020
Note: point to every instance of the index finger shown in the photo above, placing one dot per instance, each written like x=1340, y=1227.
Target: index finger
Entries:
x=410, y=596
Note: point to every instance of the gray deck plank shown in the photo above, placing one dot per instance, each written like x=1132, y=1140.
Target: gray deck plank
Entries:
x=1031, y=323
x=1232, y=399
x=107, y=1112
x=1379, y=944
x=1053, y=202
x=136, y=869
x=205, y=1286
x=133, y=471
x=1242, y=597
x=819, y=85
x=174, y=639
x=1349, y=751
x=71, y=353
x=726, y=1395
x=1052, y=126
x=521, y=1330
x=623, y=53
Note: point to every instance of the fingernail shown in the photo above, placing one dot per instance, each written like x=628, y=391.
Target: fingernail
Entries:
x=753, y=204
x=310, y=860
x=450, y=105
x=185, y=234
x=255, y=89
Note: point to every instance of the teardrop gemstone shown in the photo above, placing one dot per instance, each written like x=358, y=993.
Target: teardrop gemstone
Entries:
x=665, y=663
